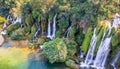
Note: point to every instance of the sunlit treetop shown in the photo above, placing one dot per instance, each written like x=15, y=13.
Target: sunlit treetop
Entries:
x=2, y=20
x=44, y=5
x=16, y=11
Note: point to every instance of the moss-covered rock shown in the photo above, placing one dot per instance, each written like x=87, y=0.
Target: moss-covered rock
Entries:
x=86, y=42
x=115, y=39
x=99, y=39
x=71, y=64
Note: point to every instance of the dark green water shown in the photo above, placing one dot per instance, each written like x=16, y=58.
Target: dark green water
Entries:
x=35, y=64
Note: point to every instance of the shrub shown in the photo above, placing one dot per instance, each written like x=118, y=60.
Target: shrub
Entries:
x=13, y=27
x=27, y=29
x=55, y=50
x=15, y=36
x=72, y=33
x=30, y=37
x=71, y=47
x=33, y=29
x=41, y=41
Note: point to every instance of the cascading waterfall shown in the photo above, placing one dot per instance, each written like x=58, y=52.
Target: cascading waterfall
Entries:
x=37, y=32
x=49, y=30
x=17, y=20
x=104, y=48
x=90, y=54
x=115, y=60
x=68, y=31
x=52, y=36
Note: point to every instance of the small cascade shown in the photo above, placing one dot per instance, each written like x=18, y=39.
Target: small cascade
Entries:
x=68, y=31
x=90, y=54
x=54, y=26
x=4, y=25
x=49, y=30
x=17, y=20
x=10, y=19
x=4, y=32
x=52, y=36
x=37, y=32
x=115, y=60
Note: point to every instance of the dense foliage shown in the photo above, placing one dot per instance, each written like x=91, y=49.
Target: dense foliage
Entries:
x=55, y=50
x=81, y=15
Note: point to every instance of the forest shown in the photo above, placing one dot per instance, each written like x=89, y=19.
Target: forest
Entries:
x=66, y=34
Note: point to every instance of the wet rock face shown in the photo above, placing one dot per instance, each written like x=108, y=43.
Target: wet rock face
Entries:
x=1, y=40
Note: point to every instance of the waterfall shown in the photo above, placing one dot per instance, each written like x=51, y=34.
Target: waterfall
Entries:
x=52, y=36
x=68, y=31
x=4, y=32
x=104, y=48
x=10, y=19
x=90, y=54
x=54, y=26
x=37, y=32
x=115, y=60
x=17, y=20
x=102, y=53
x=49, y=30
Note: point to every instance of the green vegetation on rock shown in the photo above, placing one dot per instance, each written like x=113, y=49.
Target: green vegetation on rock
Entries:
x=55, y=51
x=71, y=64
x=99, y=39
x=71, y=47
x=87, y=40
